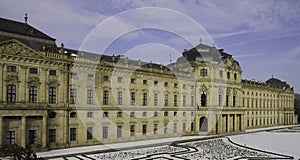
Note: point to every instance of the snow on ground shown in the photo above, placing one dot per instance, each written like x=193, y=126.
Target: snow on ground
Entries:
x=287, y=143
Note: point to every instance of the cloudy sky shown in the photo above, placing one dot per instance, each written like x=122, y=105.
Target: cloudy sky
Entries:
x=263, y=35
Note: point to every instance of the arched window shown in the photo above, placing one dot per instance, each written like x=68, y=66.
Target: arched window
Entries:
x=52, y=115
x=203, y=124
x=203, y=98
x=73, y=114
x=203, y=72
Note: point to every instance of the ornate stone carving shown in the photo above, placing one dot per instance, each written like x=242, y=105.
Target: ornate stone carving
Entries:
x=53, y=83
x=35, y=81
x=12, y=79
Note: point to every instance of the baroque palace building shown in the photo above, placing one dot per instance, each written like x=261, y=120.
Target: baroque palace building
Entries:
x=53, y=97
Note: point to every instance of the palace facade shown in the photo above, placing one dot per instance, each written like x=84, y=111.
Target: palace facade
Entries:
x=54, y=97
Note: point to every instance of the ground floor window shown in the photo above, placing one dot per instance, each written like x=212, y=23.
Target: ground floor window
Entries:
x=10, y=137
x=72, y=134
x=52, y=135
x=105, y=132
x=89, y=134
x=119, y=131
x=32, y=136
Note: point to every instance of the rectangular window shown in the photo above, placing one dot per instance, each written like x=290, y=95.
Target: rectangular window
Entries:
x=32, y=94
x=119, y=131
x=165, y=128
x=220, y=100
x=155, y=128
x=132, y=130
x=52, y=95
x=184, y=127
x=175, y=100
x=166, y=84
x=52, y=135
x=120, y=79
x=144, y=99
x=90, y=96
x=72, y=134
x=119, y=98
x=155, y=99
x=233, y=100
x=144, y=129
x=184, y=100
x=32, y=136
x=184, y=86
x=166, y=100
x=155, y=82
x=73, y=74
x=105, y=132
x=227, y=100
x=175, y=128
x=192, y=87
x=73, y=94
x=33, y=70
x=90, y=76
x=105, y=97
x=203, y=72
x=132, y=80
x=89, y=133
x=10, y=137
x=192, y=101
x=11, y=93
x=132, y=98
x=119, y=114
x=175, y=85
x=105, y=78
x=144, y=82
x=11, y=69
x=221, y=74
x=52, y=72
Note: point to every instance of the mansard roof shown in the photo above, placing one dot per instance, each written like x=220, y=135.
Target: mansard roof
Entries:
x=276, y=83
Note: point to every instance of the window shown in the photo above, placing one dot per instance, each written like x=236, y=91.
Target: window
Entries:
x=11, y=93
x=52, y=115
x=203, y=72
x=192, y=126
x=33, y=70
x=155, y=128
x=120, y=79
x=166, y=100
x=73, y=114
x=132, y=80
x=155, y=114
x=32, y=136
x=184, y=86
x=105, y=97
x=73, y=96
x=10, y=137
x=155, y=99
x=165, y=128
x=52, y=95
x=119, y=98
x=235, y=76
x=184, y=100
x=184, y=114
x=89, y=133
x=175, y=128
x=192, y=113
x=203, y=98
x=184, y=127
x=175, y=114
x=73, y=74
x=119, y=114
x=220, y=99
x=89, y=114
x=131, y=114
x=166, y=113
x=144, y=114
x=90, y=76
x=233, y=100
x=132, y=98
x=228, y=75
x=119, y=131
x=144, y=129
x=52, y=135
x=105, y=114
x=105, y=132
x=11, y=69
x=192, y=86
x=192, y=101
x=90, y=96
x=166, y=84
x=155, y=82
x=105, y=78
x=52, y=72
x=132, y=130
x=227, y=100
x=221, y=74
x=144, y=82
x=72, y=134
x=144, y=99
x=175, y=100
x=175, y=85
x=32, y=94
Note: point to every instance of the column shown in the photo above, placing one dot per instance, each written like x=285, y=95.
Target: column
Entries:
x=44, y=132
x=23, y=134
x=220, y=119
x=1, y=130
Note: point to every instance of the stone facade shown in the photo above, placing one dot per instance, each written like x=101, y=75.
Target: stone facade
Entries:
x=53, y=97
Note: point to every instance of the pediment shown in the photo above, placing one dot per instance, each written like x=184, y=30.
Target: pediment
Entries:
x=15, y=47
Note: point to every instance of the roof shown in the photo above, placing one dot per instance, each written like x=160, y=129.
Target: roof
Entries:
x=274, y=82
x=22, y=29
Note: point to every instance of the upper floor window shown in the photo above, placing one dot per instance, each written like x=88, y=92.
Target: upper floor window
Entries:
x=120, y=79
x=221, y=74
x=155, y=114
x=132, y=98
x=235, y=76
x=203, y=98
x=145, y=82
x=32, y=94
x=73, y=74
x=90, y=76
x=166, y=84
x=11, y=93
x=203, y=72
x=119, y=98
x=52, y=72
x=192, y=86
x=184, y=86
x=131, y=114
x=105, y=78
x=144, y=114
x=90, y=96
x=144, y=99
x=89, y=114
x=155, y=82
x=11, y=69
x=119, y=114
x=33, y=70
x=166, y=99
x=184, y=100
x=166, y=113
x=228, y=75
x=73, y=96
x=52, y=95
x=132, y=80
x=105, y=114
x=175, y=100
x=175, y=85
x=52, y=114
x=155, y=99
x=105, y=97
x=73, y=114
